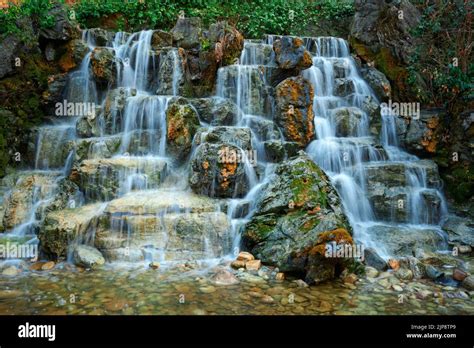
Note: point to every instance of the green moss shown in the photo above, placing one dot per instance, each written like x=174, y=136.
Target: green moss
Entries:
x=260, y=228
x=460, y=182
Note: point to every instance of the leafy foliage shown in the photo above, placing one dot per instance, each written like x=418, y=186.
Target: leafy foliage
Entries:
x=444, y=55
x=253, y=17
x=37, y=10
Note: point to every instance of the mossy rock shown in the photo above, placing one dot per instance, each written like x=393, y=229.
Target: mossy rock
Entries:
x=298, y=212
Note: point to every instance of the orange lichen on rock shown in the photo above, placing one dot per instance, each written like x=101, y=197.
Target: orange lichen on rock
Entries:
x=339, y=236
x=227, y=170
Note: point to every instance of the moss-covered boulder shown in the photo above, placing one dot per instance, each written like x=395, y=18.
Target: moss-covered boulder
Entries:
x=298, y=211
x=294, y=110
x=182, y=122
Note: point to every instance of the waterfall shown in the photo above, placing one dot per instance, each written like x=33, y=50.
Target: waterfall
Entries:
x=144, y=193
x=337, y=84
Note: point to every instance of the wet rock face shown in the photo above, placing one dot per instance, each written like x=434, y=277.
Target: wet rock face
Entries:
x=27, y=187
x=72, y=58
x=104, y=179
x=65, y=226
x=182, y=122
x=94, y=148
x=347, y=120
x=168, y=83
x=112, y=112
x=403, y=241
x=193, y=227
x=217, y=111
x=390, y=191
x=237, y=136
x=290, y=53
x=260, y=101
x=294, y=110
x=103, y=66
x=377, y=81
x=217, y=172
x=297, y=213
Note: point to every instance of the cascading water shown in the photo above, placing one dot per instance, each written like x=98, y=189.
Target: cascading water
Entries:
x=346, y=154
x=144, y=195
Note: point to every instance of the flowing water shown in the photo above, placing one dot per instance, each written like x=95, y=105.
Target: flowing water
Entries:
x=151, y=204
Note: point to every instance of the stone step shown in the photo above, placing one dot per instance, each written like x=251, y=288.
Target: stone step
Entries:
x=108, y=178
x=95, y=147
x=334, y=154
x=403, y=240
x=393, y=174
x=50, y=150
x=169, y=236
x=403, y=191
x=161, y=201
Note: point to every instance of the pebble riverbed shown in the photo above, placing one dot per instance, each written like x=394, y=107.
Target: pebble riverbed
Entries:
x=140, y=290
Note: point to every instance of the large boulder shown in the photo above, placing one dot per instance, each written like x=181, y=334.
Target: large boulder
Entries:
x=87, y=256
x=187, y=32
x=297, y=212
x=421, y=134
x=460, y=230
x=228, y=42
x=294, y=110
x=217, y=170
x=290, y=53
x=182, y=122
